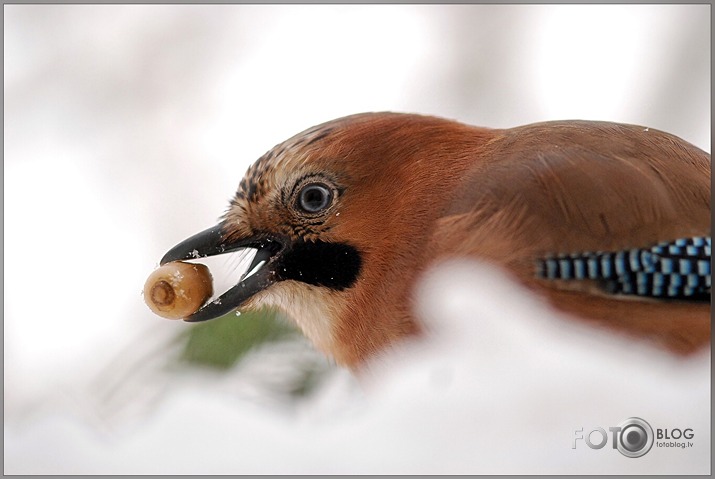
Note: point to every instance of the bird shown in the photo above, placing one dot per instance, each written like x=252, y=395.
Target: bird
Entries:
x=609, y=223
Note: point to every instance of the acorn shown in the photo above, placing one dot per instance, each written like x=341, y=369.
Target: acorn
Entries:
x=178, y=289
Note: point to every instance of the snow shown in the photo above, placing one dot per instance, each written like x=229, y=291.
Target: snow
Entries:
x=176, y=277
x=498, y=386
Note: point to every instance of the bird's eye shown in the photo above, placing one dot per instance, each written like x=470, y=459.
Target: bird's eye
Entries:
x=315, y=197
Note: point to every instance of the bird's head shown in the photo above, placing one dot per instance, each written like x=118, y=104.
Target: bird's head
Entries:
x=339, y=215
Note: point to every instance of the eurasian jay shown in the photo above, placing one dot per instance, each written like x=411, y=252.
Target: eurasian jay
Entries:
x=608, y=222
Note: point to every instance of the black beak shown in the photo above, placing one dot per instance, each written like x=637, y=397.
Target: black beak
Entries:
x=260, y=274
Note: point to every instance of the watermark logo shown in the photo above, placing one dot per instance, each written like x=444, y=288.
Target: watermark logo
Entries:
x=633, y=437
x=672, y=437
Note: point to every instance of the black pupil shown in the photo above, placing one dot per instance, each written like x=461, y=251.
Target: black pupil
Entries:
x=314, y=198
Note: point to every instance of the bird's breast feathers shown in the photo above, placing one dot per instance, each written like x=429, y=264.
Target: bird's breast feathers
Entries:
x=314, y=309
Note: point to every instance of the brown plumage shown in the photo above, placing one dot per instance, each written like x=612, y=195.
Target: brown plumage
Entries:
x=403, y=192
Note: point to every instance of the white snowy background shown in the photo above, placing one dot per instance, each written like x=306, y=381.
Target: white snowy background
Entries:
x=127, y=129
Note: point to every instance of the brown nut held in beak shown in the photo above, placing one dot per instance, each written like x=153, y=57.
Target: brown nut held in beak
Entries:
x=177, y=289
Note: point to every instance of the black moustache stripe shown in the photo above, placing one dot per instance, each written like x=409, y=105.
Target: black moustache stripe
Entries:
x=332, y=265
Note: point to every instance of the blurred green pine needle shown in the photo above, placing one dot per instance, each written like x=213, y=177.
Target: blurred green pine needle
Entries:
x=222, y=342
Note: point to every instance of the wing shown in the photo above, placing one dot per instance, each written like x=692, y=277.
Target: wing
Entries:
x=671, y=269
x=591, y=214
